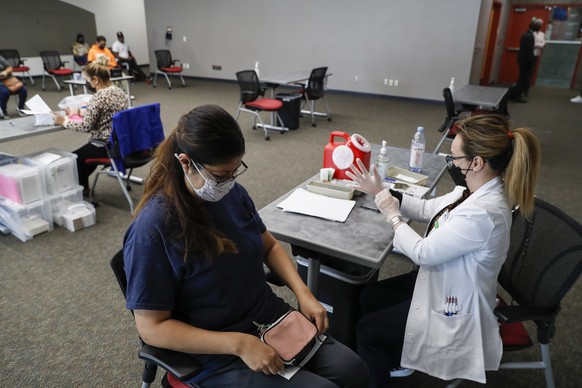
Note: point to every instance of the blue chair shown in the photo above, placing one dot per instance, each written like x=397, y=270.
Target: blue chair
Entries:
x=136, y=134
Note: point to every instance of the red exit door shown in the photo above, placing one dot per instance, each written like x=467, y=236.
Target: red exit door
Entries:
x=519, y=20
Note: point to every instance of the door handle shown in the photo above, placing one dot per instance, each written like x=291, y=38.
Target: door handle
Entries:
x=513, y=49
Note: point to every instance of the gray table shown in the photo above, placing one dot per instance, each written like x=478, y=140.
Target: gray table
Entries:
x=485, y=97
x=18, y=128
x=365, y=238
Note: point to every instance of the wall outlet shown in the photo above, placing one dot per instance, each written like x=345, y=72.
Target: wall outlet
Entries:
x=184, y=38
x=186, y=65
x=391, y=82
x=216, y=67
x=356, y=78
x=395, y=82
x=385, y=81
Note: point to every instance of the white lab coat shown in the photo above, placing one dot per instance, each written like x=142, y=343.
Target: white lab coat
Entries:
x=461, y=258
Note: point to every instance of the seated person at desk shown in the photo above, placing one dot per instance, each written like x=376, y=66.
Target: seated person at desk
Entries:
x=106, y=102
x=194, y=257
x=99, y=49
x=123, y=54
x=440, y=319
x=6, y=74
x=80, y=50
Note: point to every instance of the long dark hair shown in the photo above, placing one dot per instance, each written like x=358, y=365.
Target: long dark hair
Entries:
x=208, y=135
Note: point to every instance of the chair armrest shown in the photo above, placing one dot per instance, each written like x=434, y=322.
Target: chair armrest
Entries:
x=63, y=63
x=181, y=365
x=299, y=84
x=509, y=314
x=98, y=143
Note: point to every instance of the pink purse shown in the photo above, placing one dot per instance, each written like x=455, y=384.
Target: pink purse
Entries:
x=292, y=336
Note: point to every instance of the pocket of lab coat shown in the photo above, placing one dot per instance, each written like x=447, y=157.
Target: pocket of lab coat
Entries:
x=450, y=331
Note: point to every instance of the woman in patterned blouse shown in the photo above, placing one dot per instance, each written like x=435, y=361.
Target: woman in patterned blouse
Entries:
x=107, y=101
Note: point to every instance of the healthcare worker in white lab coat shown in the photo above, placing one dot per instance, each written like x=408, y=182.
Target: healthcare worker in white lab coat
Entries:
x=439, y=319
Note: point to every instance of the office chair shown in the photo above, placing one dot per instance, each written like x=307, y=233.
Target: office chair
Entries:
x=502, y=108
x=314, y=90
x=543, y=263
x=53, y=66
x=17, y=64
x=136, y=134
x=180, y=365
x=167, y=65
x=251, y=101
x=448, y=127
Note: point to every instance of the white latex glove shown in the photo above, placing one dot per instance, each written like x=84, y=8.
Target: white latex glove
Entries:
x=369, y=183
x=387, y=204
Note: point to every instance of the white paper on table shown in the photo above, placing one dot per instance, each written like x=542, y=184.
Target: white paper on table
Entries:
x=305, y=202
x=36, y=105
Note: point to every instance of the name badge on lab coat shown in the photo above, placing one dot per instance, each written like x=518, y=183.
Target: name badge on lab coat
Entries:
x=442, y=219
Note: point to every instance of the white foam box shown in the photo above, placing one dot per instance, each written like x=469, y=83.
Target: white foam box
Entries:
x=26, y=221
x=63, y=200
x=76, y=216
x=21, y=183
x=58, y=167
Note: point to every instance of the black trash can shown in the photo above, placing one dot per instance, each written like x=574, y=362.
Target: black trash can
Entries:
x=340, y=283
x=290, y=111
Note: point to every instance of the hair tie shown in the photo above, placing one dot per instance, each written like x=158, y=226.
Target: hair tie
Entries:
x=510, y=135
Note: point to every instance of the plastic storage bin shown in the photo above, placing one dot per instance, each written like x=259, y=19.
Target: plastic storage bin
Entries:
x=75, y=216
x=26, y=221
x=291, y=109
x=340, y=283
x=6, y=159
x=68, y=197
x=21, y=184
x=59, y=169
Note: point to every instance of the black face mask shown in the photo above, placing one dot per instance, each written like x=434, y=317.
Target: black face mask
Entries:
x=459, y=178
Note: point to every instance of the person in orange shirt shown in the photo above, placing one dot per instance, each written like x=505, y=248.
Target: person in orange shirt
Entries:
x=100, y=48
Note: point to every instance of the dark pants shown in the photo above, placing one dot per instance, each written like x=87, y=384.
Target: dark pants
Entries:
x=334, y=365
x=522, y=86
x=380, y=331
x=88, y=151
x=134, y=69
x=5, y=95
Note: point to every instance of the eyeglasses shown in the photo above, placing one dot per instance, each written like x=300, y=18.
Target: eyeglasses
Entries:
x=450, y=158
x=220, y=179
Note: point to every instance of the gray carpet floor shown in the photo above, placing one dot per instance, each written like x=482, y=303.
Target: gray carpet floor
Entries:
x=62, y=316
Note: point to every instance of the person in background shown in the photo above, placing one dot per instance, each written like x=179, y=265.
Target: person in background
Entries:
x=80, y=50
x=97, y=121
x=539, y=43
x=123, y=54
x=526, y=62
x=99, y=49
x=194, y=256
x=6, y=74
x=439, y=319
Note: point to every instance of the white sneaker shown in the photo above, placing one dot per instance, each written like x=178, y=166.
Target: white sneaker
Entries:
x=577, y=99
x=401, y=372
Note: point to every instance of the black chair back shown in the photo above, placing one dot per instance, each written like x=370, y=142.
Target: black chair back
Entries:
x=544, y=260
x=51, y=60
x=12, y=57
x=449, y=103
x=164, y=58
x=118, y=267
x=316, y=85
x=250, y=86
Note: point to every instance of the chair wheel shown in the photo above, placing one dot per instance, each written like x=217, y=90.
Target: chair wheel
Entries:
x=128, y=187
x=314, y=125
x=267, y=138
x=254, y=127
x=301, y=116
x=154, y=86
x=329, y=119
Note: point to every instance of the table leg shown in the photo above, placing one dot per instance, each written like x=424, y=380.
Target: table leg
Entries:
x=71, y=90
x=127, y=89
x=313, y=267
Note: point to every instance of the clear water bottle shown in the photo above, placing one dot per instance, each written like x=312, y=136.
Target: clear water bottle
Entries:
x=383, y=160
x=417, y=147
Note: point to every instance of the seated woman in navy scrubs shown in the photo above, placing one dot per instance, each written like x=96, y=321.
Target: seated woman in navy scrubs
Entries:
x=194, y=257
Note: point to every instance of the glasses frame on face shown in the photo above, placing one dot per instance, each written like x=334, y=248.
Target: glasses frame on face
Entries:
x=221, y=180
x=449, y=159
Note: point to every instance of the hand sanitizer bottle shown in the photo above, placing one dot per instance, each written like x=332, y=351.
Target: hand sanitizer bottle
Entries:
x=257, y=69
x=382, y=161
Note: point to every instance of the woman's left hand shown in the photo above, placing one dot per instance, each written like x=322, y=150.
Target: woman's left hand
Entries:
x=312, y=309
x=369, y=183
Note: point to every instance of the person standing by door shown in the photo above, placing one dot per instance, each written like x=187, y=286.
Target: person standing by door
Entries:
x=526, y=61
